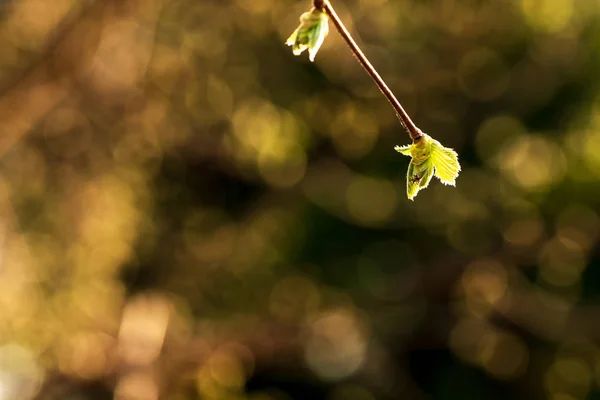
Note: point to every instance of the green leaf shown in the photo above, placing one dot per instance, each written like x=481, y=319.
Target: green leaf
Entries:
x=445, y=161
x=429, y=158
x=313, y=29
x=418, y=177
x=403, y=149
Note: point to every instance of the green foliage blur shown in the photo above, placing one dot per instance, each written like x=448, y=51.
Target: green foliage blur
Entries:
x=189, y=211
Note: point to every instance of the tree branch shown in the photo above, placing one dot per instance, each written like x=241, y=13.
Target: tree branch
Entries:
x=413, y=131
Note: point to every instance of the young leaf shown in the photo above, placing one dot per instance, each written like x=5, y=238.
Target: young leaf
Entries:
x=446, y=163
x=429, y=158
x=313, y=29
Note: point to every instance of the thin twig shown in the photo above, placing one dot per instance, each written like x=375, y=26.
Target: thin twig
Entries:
x=414, y=132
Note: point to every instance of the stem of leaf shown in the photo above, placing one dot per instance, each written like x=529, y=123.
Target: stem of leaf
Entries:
x=414, y=132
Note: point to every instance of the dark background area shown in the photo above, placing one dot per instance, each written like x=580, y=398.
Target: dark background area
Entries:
x=189, y=211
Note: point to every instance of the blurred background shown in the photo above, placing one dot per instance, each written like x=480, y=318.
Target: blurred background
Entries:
x=189, y=211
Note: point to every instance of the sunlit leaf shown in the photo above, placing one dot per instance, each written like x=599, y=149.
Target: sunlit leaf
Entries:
x=429, y=158
x=313, y=29
x=445, y=161
x=418, y=177
x=403, y=149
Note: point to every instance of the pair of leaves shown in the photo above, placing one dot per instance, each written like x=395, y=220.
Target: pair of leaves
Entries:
x=429, y=158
